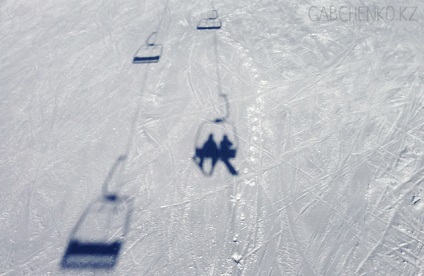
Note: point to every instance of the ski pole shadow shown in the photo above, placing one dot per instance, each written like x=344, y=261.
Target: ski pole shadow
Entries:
x=98, y=236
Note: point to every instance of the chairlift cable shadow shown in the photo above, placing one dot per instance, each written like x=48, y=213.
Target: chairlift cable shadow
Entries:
x=219, y=81
x=97, y=238
x=137, y=112
x=218, y=65
x=219, y=130
x=162, y=16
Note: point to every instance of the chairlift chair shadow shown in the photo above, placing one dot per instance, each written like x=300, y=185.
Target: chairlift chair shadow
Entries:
x=150, y=52
x=96, y=240
x=210, y=23
x=215, y=140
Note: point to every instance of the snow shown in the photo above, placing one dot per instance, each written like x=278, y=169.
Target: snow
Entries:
x=328, y=117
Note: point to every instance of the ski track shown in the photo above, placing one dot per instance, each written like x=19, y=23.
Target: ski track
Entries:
x=328, y=118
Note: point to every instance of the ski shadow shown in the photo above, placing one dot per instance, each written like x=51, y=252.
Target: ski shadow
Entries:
x=98, y=236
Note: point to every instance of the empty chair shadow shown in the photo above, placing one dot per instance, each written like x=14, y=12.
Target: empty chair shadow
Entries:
x=97, y=238
x=150, y=52
x=210, y=23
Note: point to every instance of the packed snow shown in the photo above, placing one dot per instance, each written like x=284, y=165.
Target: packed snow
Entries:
x=325, y=116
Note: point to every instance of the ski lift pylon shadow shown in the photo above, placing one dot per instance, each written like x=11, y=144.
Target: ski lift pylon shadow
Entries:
x=97, y=238
x=210, y=23
x=150, y=52
x=216, y=140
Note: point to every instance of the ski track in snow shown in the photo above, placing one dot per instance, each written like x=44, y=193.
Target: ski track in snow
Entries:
x=328, y=118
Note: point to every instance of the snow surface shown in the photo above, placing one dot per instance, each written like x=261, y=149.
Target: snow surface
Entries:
x=329, y=118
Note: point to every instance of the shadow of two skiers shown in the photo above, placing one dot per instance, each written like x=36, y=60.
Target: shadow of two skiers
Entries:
x=210, y=150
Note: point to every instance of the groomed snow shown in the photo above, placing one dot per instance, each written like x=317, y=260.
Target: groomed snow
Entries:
x=329, y=118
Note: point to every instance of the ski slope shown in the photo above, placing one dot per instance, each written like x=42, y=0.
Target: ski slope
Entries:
x=329, y=119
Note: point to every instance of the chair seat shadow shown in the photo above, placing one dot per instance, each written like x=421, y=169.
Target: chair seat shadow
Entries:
x=100, y=255
x=210, y=23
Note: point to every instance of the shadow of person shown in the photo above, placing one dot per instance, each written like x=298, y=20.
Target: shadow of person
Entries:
x=209, y=150
x=226, y=152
